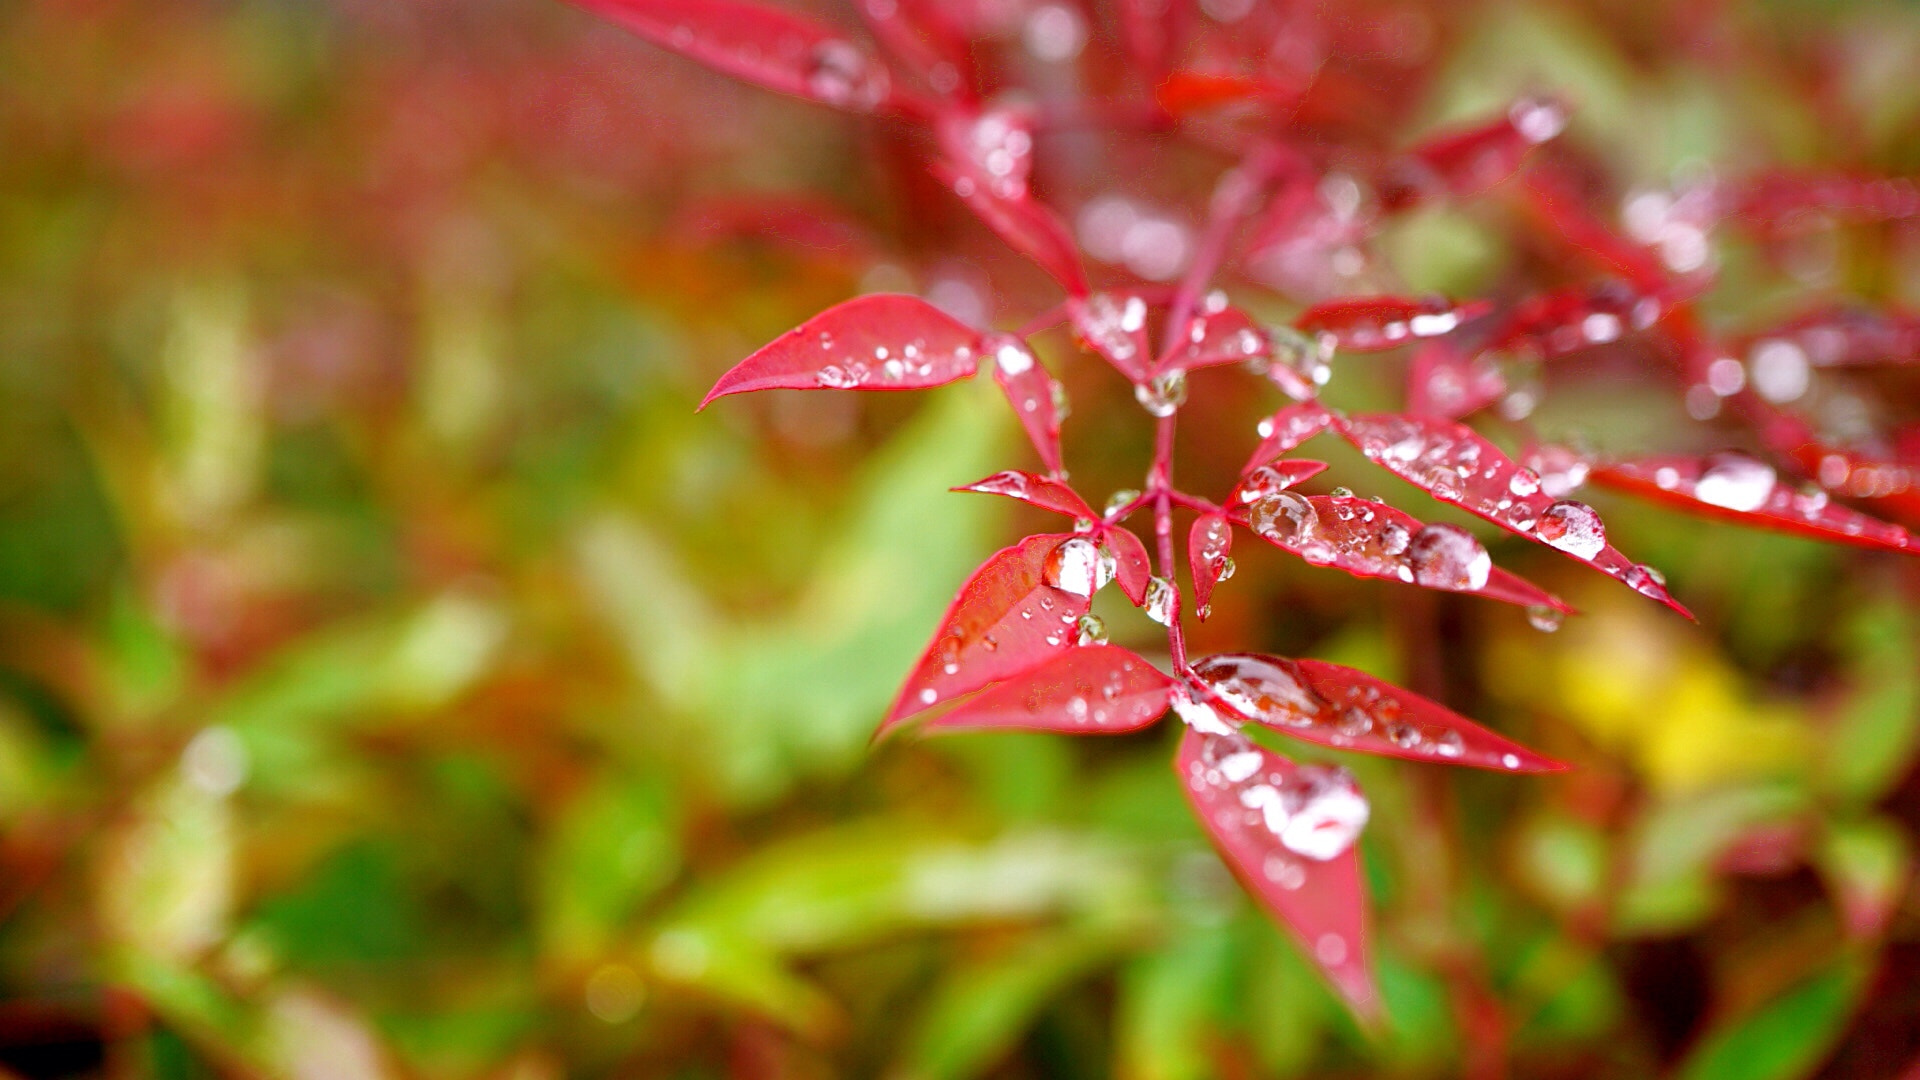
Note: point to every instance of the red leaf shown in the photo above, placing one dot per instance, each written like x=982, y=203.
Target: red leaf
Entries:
x=1261, y=481
x=760, y=44
x=1028, y=227
x=1471, y=161
x=1739, y=488
x=1090, y=689
x=1032, y=392
x=1114, y=325
x=1038, y=490
x=1251, y=802
x=1210, y=556
x=884, y=341
x=1837, y=337
x=1132, y=566
x=1374, y=540
x=1454, y=464
x=1373, y=323
x=1554, y=199
x=1563, y=321
x=1287, y=429
x=1339, y=707
x=1006, y=619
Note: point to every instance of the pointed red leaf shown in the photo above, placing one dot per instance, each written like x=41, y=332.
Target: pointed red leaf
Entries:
x=1210, y=557
x=1347, y=709
x=1554, y=198
x=1565, y=320
x=1739, y=488
x=1287, y=429
x=1261, y=481
x=1374, y=540
x=1087, y=690
x=760, y=44
x=1038, y=490
x=1373, y=323
x=885, y=341
x=1131, y=564
x=1006, y=619
x=1834, y=337
x=1454, y=464
x=1471, y=161
x=1028, y=227
x=1114, y=325
x=1034, y=394
x=1276, y=825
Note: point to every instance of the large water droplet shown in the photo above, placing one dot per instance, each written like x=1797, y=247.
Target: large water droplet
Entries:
x=1163, y=394
x=1074, y=567
x=1544, y=618
x=1261, y=688
x=835, y=377
x=1012, y=356
x=1736, y=482
x=1284, y=518
x=1448, y=557
x=1161, y=599
x=1093, y=630
x=1317, y=813
x=1572, y=527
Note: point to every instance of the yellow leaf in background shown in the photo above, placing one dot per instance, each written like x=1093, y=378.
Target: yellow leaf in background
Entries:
x=1651, y=691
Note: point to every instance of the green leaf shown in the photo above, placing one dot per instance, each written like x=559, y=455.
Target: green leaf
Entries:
x=981, y=1008
x=1875, y=736
x=1784, y=1038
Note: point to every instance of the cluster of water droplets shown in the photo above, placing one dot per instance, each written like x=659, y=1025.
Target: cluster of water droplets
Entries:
x=1313, y=811
x=1367, y=539
x=999, y=141
x=1111, y=326
x=883, y=365
x=840, y=73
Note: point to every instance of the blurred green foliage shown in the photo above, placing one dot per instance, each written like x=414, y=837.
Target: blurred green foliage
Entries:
x=397, y=679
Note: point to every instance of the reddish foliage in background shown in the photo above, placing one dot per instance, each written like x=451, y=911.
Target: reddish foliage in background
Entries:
x=1019, y=648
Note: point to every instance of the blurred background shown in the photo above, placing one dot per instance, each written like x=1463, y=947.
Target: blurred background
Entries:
x=398, y=679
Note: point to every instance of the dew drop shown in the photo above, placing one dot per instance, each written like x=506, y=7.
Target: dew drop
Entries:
x=1544, y=618
x=1224, y=569
x=1449, y=557
x=1012, y=356
x=1162, y=395
x=1285, y=518
x=1161, y=599
x=1073, y=567
x=835, y=377
x=1261, y=688
x=928, y=696
x=1321, y=813
x=1736, y=481
x=1572, y=527
x=1093, y=630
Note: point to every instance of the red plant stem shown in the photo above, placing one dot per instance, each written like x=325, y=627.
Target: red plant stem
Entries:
x=1160, y=490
